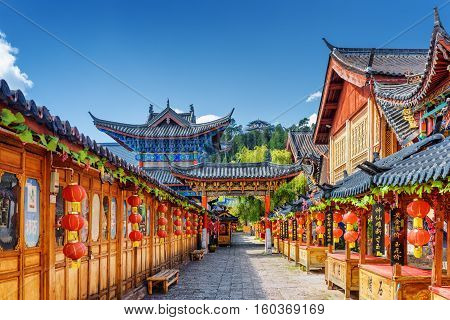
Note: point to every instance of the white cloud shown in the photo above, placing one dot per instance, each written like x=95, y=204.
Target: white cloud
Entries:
x=312, y=119
x=207, y=118
x=314, y=96
x=9, y=70
x=178, y=110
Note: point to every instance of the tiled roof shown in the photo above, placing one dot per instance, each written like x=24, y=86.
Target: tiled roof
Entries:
x=303, y=146
x=395, y=119
x=163, y=175
x=432, y=163
x=15, y=100
x=361, y=181
x=164, y=129
x=391, y=62
x=237, y=170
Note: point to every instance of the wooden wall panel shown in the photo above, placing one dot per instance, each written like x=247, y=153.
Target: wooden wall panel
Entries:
x=9, y=289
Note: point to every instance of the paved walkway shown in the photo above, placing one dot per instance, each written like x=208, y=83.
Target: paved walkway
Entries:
x=243, y=271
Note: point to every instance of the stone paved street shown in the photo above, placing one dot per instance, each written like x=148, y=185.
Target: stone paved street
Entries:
x=244, y=272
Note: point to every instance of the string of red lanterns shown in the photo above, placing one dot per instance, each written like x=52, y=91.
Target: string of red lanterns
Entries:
x=337, y=232
x=195, y=224
x=320, y=228
x=162, y=221
x=188, y=224
x=73, y=222
x=177, y=222
x=135, y=218
x=300, y=227
x=418, y=237
x=350, y=236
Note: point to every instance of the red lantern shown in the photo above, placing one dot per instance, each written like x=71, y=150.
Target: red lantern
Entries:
x=337, y=233
x=195, y=216
x=178, y=232
x=320, y=230
x=320, y=216
x=188, y=215
x=177, y=222
x=188, y=223
x=72, y=222
x=74, y=250
x=177, y=212
x=135, y=218
x=418, y=208
x=188, y=232
x=418, y=238
x=300, y=231
x=162, y=233
x=134, y=200
x=135, y=235
x=162, y=221
x=387, y=240
x=301, y=221
x=337, y=217
x=350, y=218
x=74, y=193
x=162, y=208
x=351, y=237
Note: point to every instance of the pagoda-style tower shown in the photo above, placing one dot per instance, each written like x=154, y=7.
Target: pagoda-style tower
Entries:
x=167, y=136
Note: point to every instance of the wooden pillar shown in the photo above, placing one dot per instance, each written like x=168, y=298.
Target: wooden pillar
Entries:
x=436, y=279
x=363, y=238
x=308, y=230
x=49, y=235
x=121, y=236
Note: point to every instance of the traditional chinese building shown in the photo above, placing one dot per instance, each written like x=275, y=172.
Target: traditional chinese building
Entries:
x=167, y=136
x=375, y=100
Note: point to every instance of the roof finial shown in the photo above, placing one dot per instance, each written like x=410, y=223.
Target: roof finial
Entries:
x=191, y=108
x=150, y=112
x=168, y=103
x=437, y=19
x=329, y=45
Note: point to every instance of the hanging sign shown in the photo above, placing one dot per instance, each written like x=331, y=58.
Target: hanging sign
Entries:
x=378, y=230
x=397, y=237
x=294, y=230
x=32, y=213
x=285, y=229
x=329, y=227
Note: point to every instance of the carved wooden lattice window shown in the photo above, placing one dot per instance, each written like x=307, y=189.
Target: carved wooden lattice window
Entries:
x=339, y=157
x=377, y=128
x=359, y=136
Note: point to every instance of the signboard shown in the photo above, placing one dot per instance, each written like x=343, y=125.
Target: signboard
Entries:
x=294, y=229
x=397, y=237
x=328, y=227
x=32, y=212
x=285, y=233
x=378, y=230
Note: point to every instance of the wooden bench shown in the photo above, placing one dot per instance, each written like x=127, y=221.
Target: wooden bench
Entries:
x=166, y=277
x=197, y=255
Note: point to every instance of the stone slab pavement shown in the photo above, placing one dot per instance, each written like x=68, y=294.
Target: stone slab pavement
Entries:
x=243, y=271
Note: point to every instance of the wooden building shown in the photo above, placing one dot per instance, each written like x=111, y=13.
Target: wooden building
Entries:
x=384, y=114
x=39, y=155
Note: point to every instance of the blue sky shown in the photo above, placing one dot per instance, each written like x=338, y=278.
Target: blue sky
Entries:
x=260, y=57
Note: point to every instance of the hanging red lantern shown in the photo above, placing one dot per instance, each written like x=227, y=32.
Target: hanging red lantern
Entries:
x=178, y=232
x=177, y=212
x=188, y=223
x=188, y=215
x=320, y=216
x=134, y=200
x=301, y=221
x=350, y=218
x=72, y=222
x=300, y=230
x=162, y=207
x=75, y=251
x=135, y=236
x=162, y=233
x=320, y=230
x=73, y=193
x=418, y=208
x=387, y=240
x=351, y=237
x=337, y=217
x=337, y=233
x=162, y=221
x=418, y=238
x=135, y=218
x=177, y=223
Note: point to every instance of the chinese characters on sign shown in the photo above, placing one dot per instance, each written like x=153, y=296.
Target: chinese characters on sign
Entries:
x=285, y=230
x=294, y=229
x=378, y=230
x=329, y=227
x=397, y=237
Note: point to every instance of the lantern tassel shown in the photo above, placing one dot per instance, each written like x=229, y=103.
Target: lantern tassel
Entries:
x=135, y=244
x=417, y=251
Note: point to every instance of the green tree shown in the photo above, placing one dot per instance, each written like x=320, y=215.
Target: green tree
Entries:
x=289, y=191
x=248, y=209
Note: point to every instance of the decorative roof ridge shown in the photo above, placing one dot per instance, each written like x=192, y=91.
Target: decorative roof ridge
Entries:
x=168, y=110
x=233, y=164
x=220, y=120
